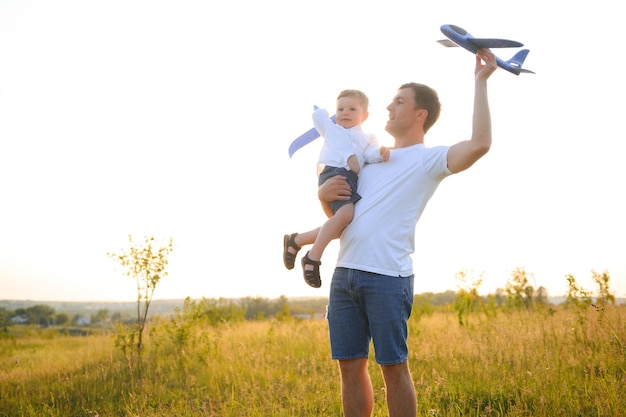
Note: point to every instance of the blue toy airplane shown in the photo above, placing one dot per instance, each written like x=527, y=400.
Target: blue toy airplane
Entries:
x=459, y=37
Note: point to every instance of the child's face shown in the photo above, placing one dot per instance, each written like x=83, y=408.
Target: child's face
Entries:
x=350, y=112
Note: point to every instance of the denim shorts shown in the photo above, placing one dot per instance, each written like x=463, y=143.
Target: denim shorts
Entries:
x=365, y=307
x=350, y=176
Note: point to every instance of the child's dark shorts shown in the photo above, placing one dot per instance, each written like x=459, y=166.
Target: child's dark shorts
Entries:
x=352, y=178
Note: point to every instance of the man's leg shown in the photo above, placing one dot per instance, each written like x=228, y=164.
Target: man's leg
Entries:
x=357, y=394
x=401, y=399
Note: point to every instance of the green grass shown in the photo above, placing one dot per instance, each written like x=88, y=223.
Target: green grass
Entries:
x=518, y=364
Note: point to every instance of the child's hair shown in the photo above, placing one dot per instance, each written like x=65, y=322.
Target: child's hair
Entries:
x=359, y=95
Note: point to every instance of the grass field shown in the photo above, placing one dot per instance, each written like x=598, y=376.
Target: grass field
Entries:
x=562, y=362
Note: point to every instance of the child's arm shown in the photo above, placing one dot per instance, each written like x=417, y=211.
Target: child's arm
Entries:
x=321, y=120
x=385, y=152
x=335, y=136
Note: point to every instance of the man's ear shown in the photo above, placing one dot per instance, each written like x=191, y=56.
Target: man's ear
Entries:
x=421, y=113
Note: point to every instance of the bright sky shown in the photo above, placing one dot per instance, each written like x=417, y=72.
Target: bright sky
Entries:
x=173, y=118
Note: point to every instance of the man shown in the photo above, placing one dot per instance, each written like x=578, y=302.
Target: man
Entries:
x=371, y=294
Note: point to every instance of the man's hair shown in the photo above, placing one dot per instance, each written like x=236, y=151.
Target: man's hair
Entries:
x=425, y=98
x=357, y=94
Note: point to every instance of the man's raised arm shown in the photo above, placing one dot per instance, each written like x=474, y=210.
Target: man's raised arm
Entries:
x=464, y=154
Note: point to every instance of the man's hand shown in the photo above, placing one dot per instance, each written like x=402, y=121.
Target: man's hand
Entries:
x=483, y=71
x=334, y=189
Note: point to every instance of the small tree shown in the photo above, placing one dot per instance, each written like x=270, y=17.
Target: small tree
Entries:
x=41, y=314
x=578, y=297
x=541, y=296
x=146, y=262
x=519, y=292
x=62, y=319
x=467, y=298
x=605, y=297
x=101, y=316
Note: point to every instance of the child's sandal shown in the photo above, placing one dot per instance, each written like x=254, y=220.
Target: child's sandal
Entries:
x=311, y=276
x=289, y=259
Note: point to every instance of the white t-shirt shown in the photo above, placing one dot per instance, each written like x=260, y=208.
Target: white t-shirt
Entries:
x=381, y=237
x=340, y=143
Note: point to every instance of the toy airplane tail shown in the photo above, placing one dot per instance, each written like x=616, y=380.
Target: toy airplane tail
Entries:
x=516, y=62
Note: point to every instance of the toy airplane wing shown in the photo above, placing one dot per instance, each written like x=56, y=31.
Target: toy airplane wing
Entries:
x=485, y=43
x=458, y=36
x=305, y=138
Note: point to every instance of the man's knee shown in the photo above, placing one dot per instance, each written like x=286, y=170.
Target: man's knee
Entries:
x=394, y=372
x=352, y=368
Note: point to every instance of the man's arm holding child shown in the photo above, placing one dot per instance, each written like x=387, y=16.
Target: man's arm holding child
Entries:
x=333, y=189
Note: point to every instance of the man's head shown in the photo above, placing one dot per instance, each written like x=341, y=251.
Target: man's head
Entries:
x=414, y=103
x=352, y=108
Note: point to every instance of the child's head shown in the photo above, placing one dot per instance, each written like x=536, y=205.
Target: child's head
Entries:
x=352, y=108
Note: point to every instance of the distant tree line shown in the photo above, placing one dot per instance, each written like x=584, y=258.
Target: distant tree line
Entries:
x=43, y=315
x=519, y=293
x=248, y=308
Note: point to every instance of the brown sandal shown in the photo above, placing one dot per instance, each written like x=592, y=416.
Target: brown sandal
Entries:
x=289, y=259
x=312, y=276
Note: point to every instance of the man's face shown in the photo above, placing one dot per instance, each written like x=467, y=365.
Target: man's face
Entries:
x=350, y=112
x=402, y=112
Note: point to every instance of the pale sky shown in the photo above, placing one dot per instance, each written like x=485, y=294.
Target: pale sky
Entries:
x=173, y=119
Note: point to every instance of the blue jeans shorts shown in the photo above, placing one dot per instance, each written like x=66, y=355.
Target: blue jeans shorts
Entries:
x=365, y=307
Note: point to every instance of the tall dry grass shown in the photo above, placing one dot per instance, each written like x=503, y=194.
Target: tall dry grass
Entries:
x=521, y=364
x=568, y=363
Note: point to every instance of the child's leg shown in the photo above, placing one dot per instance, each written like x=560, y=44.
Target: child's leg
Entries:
x=307, y=238
x=298, y=239
x=330, y=230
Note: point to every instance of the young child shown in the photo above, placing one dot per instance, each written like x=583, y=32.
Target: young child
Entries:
x=346, y=149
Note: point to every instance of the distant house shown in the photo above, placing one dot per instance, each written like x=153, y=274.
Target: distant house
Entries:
x=21, y=319
x=83, y=321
